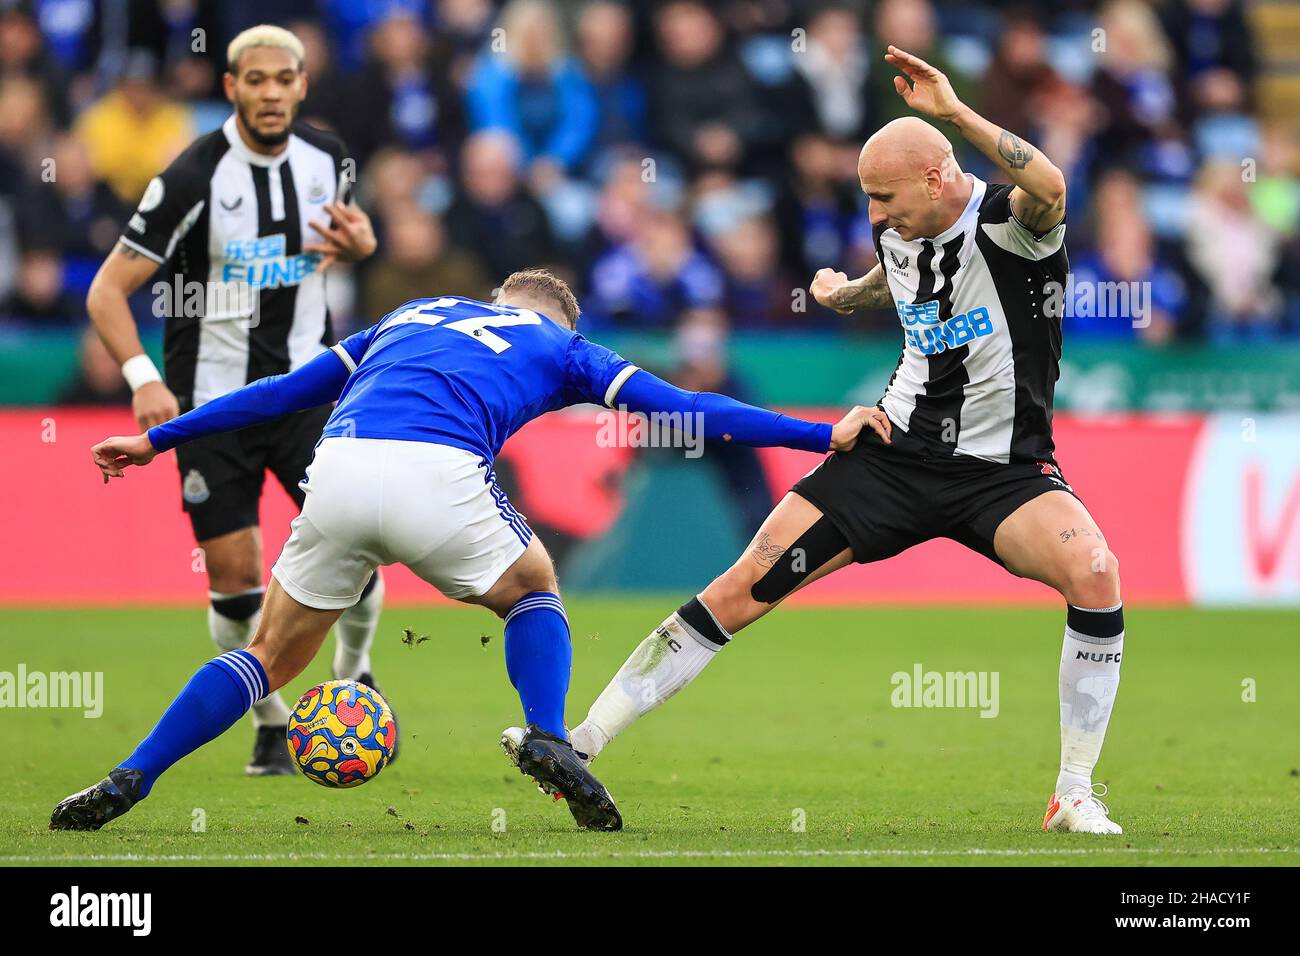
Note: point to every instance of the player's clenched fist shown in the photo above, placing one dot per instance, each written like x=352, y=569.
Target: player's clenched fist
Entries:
x=114, y=454
x=824, y=286
x=844, y=433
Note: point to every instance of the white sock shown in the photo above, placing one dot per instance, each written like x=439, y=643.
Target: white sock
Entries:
x=664, y=663
x=354, y=633
x=232, y=634
x=1089, y=681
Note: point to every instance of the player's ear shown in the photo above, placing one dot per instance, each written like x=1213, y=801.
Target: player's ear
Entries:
x=933, y=182
x=228, y=85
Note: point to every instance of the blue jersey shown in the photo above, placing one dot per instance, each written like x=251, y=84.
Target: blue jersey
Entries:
x=455, y=371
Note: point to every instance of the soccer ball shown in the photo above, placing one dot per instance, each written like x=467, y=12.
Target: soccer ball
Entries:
x=341, y=733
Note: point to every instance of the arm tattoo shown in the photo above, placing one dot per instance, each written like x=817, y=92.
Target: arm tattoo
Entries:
x=869, y=292
x=1017, y=153
x=765, y=552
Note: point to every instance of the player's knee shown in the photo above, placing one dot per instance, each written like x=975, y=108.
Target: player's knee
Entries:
x=1092, y=579
x=728, y=598
x=534, y=573
x=234, y=577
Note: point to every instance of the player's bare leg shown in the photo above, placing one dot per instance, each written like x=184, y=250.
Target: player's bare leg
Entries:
x=1053, y=539
x=538, y=658
x=236, y=591
x=795, y=546
x=216, y=697
x=235, y=576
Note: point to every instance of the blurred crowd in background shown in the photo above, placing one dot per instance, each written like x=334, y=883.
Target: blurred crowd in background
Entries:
x=687, y=166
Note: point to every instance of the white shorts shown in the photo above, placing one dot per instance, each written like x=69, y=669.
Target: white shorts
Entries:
x=371, y=501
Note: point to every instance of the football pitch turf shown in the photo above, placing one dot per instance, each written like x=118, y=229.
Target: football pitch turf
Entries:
x=787, y=751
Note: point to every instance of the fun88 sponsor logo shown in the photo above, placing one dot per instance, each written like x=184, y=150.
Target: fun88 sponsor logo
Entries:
x=929, y=336
x=262, y=263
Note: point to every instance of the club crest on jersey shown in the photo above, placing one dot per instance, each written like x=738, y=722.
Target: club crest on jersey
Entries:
x=195, y=488
x=316, y=192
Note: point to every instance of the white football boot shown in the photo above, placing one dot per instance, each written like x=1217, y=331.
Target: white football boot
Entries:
x=1079, y=811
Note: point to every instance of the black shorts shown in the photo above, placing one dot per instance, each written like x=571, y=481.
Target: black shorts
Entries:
x=222, y=475
x=886, y=498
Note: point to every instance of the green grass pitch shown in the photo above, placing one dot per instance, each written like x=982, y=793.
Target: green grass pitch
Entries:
x=792, y=723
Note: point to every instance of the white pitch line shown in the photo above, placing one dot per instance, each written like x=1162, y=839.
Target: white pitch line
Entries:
x=625, y=855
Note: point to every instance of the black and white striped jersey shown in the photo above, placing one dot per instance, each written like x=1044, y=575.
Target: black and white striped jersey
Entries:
x=227, y=225
x=980, y=355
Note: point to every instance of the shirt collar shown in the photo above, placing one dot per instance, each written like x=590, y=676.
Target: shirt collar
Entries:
x=240, y=148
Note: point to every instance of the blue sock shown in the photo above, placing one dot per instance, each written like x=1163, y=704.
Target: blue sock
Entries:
x=538, y=656
x=219, y=693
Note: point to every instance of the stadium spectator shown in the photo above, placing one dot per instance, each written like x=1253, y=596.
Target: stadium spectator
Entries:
x=532, y=89
x=350, y=23
x=25, y=131
x=1067, y=119
x=1214, y=51
x=395, y=178
x=703, y=104
x=651, y=280
x=911, y=25
x=604, y=45
x=626, y=194
x=1019, y=76
x=728, y=103
x=98, y=380
x=40, y=294
x=1122, y=288
x=758, y=293
x=1275, y=196
x=1235, y=254
x=1144, y=108
x=493, y=215
x=817, y=209
x=133, y=132
x=72, y=211
x=833, y=72
x=463, y=29
x=327, y=87
x=420, y=263
x=23, y=53
x=400, y=96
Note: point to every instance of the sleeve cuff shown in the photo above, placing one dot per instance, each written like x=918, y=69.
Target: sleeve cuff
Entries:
x=824, y=435
x=611, y=393
x=148, y=254
x=342, y=353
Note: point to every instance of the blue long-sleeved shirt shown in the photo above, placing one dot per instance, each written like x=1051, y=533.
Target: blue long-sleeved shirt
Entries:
x=470, y=374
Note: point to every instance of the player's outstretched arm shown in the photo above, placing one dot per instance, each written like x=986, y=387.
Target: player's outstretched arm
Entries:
x=725, y=419
x=1038, y=200
x=319, y=381
x=837, y=291
x=124, y=271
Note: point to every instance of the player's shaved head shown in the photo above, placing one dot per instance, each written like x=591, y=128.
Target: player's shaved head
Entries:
x=909, y=171
x=905, y=147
